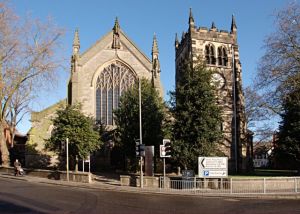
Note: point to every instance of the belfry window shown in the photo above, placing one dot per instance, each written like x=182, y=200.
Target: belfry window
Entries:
x=111, y=83
x=222, y=56
x=210, y=55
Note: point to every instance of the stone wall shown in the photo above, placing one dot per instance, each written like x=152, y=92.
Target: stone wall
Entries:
x=36, y=156
x=83, y=177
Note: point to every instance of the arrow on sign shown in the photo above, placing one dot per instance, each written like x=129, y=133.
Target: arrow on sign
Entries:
x=202, y=162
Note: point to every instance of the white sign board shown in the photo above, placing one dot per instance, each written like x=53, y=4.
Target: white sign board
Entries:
x=213, y=167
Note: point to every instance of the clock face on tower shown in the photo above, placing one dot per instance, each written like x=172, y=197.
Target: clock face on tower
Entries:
x=218, y=80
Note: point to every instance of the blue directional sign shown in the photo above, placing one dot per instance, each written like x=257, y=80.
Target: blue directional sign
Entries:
x=206, y=173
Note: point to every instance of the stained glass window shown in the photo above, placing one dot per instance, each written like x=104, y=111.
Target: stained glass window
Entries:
x=111, y=83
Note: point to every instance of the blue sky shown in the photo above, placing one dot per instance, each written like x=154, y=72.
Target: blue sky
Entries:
x=140, y=19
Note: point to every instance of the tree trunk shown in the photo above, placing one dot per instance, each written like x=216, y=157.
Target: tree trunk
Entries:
x=3, y=148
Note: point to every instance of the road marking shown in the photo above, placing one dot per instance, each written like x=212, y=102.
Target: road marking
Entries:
x=232, y=200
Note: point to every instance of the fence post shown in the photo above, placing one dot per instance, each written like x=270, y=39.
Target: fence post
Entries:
x=160, y=183
x=221, y=184
x=231, y=186
x=296, y=185
x=264, y=185
x=195, y=184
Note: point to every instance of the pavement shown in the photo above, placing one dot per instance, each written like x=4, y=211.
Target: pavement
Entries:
x=111, y=183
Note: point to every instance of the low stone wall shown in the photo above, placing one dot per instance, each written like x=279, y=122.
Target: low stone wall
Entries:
x=125, y=180
x=148, y=181
x=83, y=177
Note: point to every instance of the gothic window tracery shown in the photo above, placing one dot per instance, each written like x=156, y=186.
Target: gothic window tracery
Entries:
x=222, y=56
x=210, y=54
x=111, y=83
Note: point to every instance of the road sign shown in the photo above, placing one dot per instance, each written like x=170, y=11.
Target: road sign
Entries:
x=213, y=167
x=214, y=163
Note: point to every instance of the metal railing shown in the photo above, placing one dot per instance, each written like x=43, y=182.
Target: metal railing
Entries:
x=282, y=185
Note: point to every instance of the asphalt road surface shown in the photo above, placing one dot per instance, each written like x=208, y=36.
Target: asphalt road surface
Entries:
x=17, y=196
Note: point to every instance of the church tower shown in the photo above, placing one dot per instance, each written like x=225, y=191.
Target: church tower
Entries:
x=220, y=51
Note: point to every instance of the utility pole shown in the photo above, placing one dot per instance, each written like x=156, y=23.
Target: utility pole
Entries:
x=141, y=137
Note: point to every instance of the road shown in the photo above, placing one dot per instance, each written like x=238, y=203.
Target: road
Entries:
x=17, y=196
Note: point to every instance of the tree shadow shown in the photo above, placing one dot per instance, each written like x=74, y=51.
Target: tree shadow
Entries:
x=8, y=207
x=36, y=159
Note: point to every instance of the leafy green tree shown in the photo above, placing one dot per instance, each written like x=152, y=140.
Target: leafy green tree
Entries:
x=73, y=124
x=127, y=120
x=197, y=117
x=288, y=146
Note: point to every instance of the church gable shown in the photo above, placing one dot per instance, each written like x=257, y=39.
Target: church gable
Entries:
x=104, y=46
x=102, y=73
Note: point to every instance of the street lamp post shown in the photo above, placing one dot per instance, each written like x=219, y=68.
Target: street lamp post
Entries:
x=141, y=138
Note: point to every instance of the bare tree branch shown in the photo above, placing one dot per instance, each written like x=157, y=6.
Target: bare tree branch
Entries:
x=28, y=63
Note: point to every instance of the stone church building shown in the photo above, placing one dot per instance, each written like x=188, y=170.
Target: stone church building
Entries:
x=114, y=63
x=98, y=78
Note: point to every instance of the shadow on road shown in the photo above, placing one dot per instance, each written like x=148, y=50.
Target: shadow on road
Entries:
x=8, y=207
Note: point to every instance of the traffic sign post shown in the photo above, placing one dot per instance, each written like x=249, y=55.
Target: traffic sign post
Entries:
x=139, y=149
x=213, y=167
x=165, y=152
x=67, y=157
x=142, y=150
x=86, y=161
x=165, y=149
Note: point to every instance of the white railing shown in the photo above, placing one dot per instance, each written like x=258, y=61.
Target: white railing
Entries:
x=282, y=185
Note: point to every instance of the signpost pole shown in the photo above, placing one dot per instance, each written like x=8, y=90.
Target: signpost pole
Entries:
x=164, y=171
x=67, y=161
x=89, y=163
x=82, y=165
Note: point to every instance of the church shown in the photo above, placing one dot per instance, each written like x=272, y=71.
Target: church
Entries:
x=98, y=78
x=109, y=67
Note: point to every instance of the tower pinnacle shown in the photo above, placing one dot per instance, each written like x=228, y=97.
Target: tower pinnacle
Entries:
x=116, y=35
x=154, y=45
x=116, y=27
x=213, y=26
x=176, y=41
x=76, y=42
x=233, y=25
x=155, y=60
x=191, y=19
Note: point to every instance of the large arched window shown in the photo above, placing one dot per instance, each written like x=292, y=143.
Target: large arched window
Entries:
x=222, y=56
x=210, y=54
x=112, y=81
